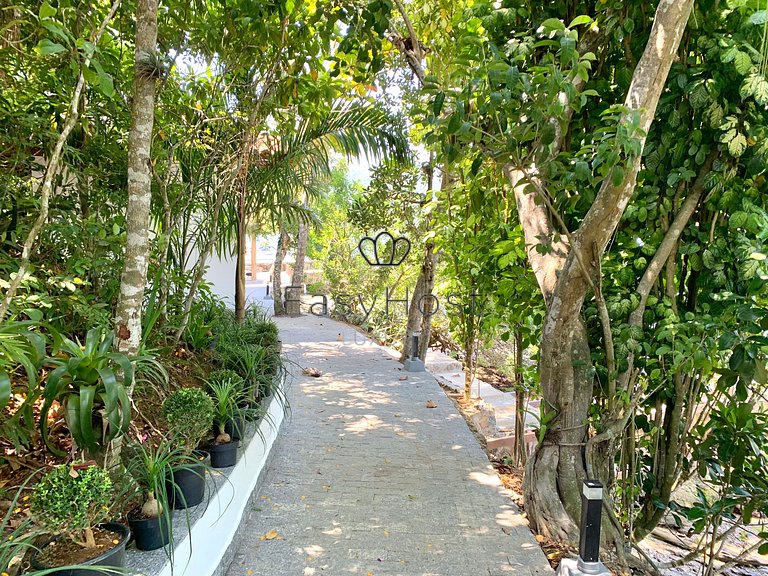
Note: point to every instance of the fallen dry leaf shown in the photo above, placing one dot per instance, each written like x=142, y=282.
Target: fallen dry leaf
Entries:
x=540, y=538
x=314, y=372
x=431, y=404
x=403, y=377
x=271, y=535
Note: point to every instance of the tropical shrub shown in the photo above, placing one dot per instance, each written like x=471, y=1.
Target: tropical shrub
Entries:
x=71, y=500
x=85, y=382
x=20, y=348
x=189, y=413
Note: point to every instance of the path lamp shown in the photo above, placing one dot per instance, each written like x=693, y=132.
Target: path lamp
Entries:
x=588, y=563
x=414, y=363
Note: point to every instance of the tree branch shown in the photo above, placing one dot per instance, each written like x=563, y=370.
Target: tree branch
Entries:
x=668, y=244
x=52, y=170
x=414, y=55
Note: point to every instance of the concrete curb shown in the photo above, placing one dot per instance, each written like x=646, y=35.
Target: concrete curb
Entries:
x=208, y=547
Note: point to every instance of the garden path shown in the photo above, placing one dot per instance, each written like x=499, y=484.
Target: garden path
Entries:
x=367, y=479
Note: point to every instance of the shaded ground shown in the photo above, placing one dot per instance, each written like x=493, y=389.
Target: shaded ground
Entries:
x=368, y=479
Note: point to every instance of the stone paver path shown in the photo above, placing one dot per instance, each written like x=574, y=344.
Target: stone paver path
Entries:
x=366, y=479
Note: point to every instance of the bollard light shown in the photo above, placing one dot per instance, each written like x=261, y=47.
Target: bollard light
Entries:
x=589, y=537
x=415, y=345
x=413, y=363
x=588, y=562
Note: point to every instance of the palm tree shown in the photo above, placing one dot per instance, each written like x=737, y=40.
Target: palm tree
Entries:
x=289, y=167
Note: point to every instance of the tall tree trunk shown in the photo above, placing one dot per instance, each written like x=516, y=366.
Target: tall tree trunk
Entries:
x=552, y=486
x=422, y=307
x=297, y=278
x=137, y=247
x=277, y=288
x=254, y=253
x=414, y=315
x=240, y=262
x=519, y=452
x=429, y=304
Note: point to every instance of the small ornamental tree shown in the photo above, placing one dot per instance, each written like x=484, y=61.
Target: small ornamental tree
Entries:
x=71, y=501
x=189, y=413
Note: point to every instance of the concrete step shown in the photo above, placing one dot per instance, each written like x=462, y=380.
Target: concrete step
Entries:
x=439, y=363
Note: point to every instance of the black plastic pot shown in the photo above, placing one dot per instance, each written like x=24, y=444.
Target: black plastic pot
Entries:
x=186, y=487
x=235, y=428
x=112, y=559
x=223, y=455
x=151, y=533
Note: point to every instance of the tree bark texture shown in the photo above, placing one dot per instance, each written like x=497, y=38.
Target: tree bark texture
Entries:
x=137, y=248
x=277, y=288
x=554, y=474
x=254, y=253
x=240, y=260
x=297, y=278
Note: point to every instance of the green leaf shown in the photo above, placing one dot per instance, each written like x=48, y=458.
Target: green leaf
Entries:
x=743, y=63
x=551, y=25
x=737, y=220
x=759, y=18
x=46, y=47
x=756, y=86
x=454, y=124
x=729, y=55
x=87, y=396
x=617, y=176
x=737, y=145
x=5, y=389
x=437, y=107
x=736, y=360
x=46, y=10
x=548, y=134
x=106, y=85
x=579, y=20
x=476, y=164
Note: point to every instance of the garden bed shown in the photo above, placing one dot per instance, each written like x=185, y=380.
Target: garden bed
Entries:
x=206, y=536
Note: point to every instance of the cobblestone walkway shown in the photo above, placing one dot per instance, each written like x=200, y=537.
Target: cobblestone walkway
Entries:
x=366, y=479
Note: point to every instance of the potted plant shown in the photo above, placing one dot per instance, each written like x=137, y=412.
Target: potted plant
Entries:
x=242, y=413
x=72, y=503
x=227, y=394
x=189, y=413
x=150, y=466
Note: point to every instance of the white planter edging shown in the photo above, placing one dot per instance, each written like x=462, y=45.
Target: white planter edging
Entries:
x=213, y=533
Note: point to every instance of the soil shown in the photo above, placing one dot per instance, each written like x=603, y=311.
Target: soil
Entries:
x=498, y=381
x=63, y=552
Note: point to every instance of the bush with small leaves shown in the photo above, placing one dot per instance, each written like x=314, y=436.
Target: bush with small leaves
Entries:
x=71, y=501
x=189, y=413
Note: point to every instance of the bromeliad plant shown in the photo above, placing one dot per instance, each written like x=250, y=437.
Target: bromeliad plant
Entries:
x=85, y=382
